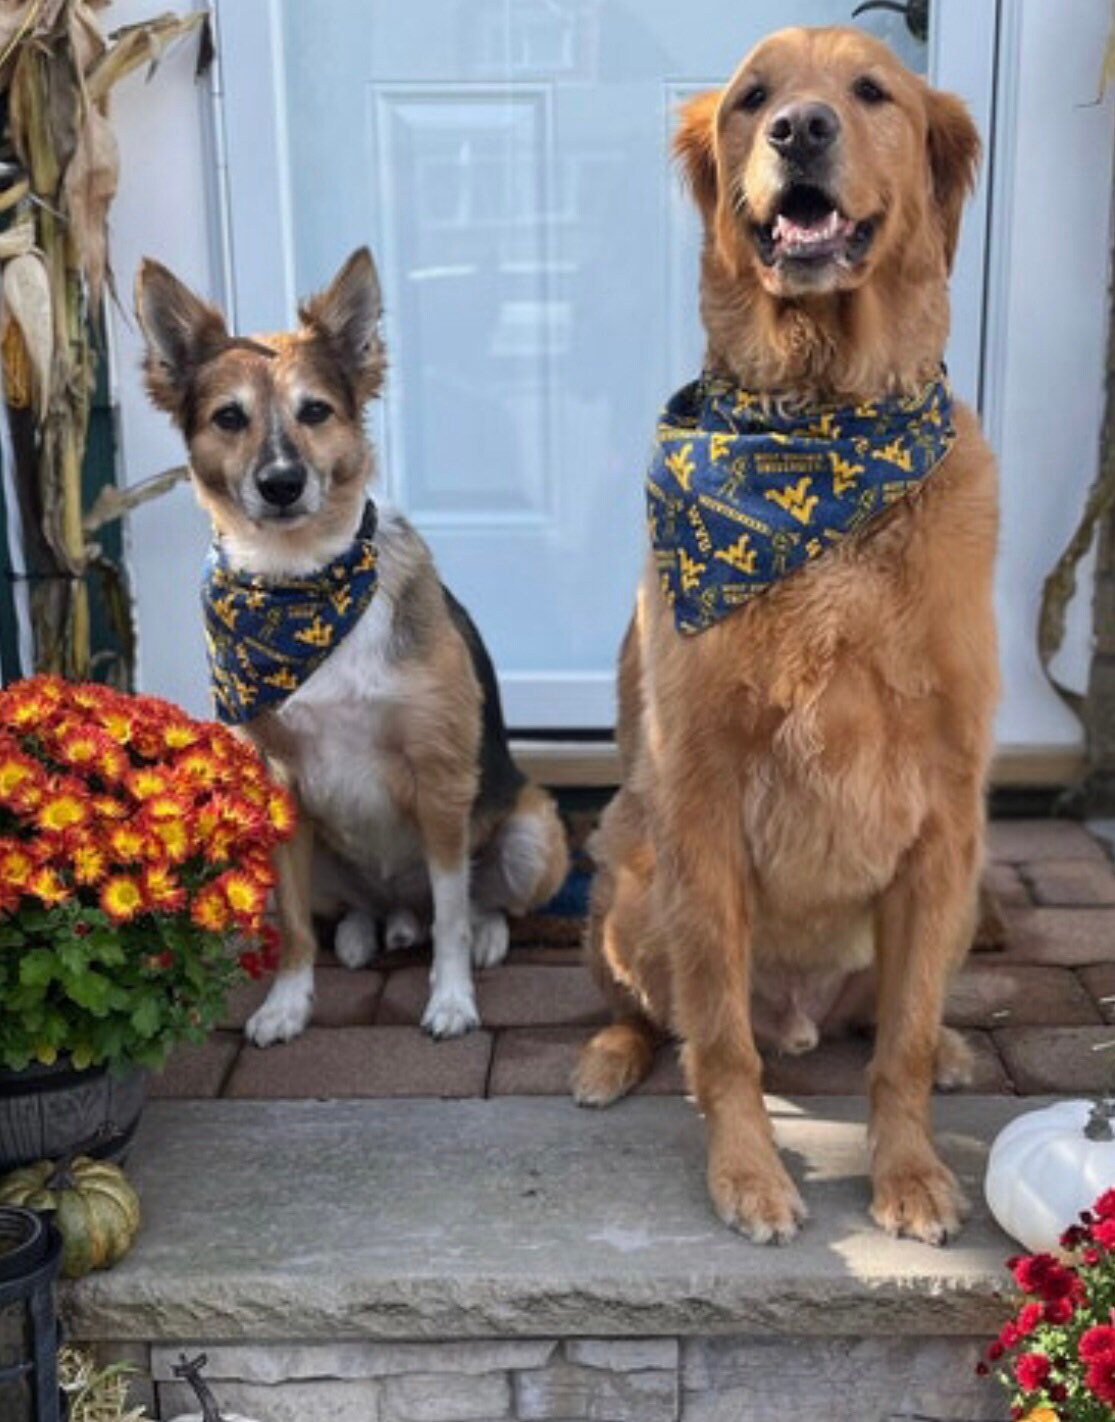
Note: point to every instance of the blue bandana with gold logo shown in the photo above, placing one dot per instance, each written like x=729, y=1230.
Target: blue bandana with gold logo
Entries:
x=265, y=638
x=740, y=493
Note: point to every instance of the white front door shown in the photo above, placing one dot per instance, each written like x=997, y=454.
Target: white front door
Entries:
x=507, y=160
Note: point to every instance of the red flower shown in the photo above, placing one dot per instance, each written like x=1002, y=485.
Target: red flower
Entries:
x=1100, y=1378
x=252, y=963
x=1097, y=1342
x=1073, y=1237
x=1104, y=1208
x=1031, y=1370
x=1059, y=1311
x=1103, y=1232
x=1029, y=1316
x=1041, y=1274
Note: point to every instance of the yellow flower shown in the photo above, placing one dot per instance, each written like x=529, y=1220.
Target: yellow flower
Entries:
x=87, y=863
x=62, y=811
x=121, y=898
x=47, y=886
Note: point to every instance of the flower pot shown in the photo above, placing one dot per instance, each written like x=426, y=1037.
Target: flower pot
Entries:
x=48, y=1112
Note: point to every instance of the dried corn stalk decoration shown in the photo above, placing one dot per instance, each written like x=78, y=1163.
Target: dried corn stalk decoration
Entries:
x=58, y=172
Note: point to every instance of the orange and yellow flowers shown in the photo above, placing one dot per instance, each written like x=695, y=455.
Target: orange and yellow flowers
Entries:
x=62, y=810
x=121, y=898
x=128, y=806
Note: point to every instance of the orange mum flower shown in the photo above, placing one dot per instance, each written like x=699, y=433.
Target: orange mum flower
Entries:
x=106, y=808
x=210, y=910
x=126, y=843
x=62, y=810
x=88, y=863
x=178, y=735
x=280, y=812
x=161, y=890
x=118, y=724
x=18, y=772
x=173, y=838
x=47, y=886
x=200, y=768
x=17, y=863
x=146, y=782
x=244, y=895
x=121, y=898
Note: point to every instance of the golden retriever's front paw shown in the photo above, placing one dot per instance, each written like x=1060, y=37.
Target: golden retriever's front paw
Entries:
x=762, y=1203
x=918, y=1198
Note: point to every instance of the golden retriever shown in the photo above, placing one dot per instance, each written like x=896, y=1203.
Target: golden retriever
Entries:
x=803, y=791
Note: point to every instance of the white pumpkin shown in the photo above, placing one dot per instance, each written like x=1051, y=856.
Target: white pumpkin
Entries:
x=1047, y=1166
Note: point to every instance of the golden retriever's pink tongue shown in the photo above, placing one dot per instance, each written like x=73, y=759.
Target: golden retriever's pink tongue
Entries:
x=812, y=238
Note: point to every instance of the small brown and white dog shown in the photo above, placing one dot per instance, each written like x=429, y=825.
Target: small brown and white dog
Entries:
x=802, y=806
x=410, y=805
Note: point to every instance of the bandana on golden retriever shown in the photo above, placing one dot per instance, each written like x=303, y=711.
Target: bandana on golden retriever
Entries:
x=803, y=799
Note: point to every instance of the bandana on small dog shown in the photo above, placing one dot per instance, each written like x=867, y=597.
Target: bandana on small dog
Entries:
x=265, y=638
x=740, y=494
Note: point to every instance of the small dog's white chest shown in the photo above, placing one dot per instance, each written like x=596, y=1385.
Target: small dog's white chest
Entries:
x=338, y=722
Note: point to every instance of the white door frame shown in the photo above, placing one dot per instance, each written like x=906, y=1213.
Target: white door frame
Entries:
x=250, y=123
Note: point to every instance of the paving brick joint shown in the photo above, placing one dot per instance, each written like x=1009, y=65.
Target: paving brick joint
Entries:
x=1033, y=1011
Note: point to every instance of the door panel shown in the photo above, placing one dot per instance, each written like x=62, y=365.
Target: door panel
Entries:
x=507, y=160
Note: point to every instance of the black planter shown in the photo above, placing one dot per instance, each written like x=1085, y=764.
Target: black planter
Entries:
x=30, y=1255
x=47, y=1112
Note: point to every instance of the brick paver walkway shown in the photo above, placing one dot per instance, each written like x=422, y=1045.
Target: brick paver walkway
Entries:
x=1034, y=1011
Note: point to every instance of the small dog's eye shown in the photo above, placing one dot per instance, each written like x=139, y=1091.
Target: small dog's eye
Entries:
x=870, y=92
x=753, y=98
x=231, y=418
x=314, y=412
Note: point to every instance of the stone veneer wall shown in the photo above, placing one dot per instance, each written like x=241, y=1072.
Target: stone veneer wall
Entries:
x=584, y=1380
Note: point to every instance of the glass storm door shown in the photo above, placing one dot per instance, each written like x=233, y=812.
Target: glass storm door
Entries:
x=507, y=161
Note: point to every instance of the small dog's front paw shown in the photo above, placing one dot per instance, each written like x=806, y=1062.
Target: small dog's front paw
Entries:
x=919, y=1199
x=355, y=940
x=762, y=1202
x=451, y=1011
x=491, y=939
x=954, y=1065
x=285, y=1011
x=403, y=930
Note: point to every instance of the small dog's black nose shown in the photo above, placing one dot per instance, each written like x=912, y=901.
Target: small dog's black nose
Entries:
x=803, y=131
x=281, y=484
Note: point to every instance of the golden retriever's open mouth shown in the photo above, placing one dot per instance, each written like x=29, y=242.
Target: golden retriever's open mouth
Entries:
x=809, y=228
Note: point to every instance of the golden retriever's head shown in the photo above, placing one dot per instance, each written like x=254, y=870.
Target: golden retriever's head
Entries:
x=277, y=448
x=825, y=165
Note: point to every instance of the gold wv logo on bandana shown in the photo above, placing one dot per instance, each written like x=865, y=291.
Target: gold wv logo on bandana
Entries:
x=740, y=494
x=265, y=638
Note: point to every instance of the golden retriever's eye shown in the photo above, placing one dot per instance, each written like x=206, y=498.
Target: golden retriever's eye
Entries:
x=314, y=412
x=753, y=98
x=869, y=92
x=231, y=418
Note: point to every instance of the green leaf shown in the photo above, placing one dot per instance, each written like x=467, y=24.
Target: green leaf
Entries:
x=91, y=990
x=146, y=1016
x=39, y=966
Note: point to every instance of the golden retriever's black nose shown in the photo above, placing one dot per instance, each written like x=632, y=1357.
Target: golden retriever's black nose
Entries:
x=281, y=484
x=803, y=131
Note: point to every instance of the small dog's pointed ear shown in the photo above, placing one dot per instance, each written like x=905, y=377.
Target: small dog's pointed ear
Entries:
x=346, y=314
x=180, y=330
x=954, y=149
x=695, y=147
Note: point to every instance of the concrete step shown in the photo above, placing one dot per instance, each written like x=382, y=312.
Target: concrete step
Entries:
x=520, y=1218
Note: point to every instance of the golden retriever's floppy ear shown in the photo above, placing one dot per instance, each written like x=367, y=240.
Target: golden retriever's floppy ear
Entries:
x=954, y=150
x=346, y=316
x=181, y=331
x=695, y=147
